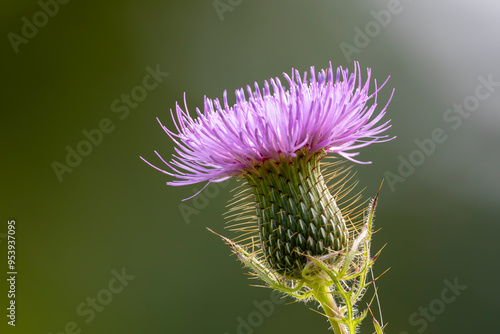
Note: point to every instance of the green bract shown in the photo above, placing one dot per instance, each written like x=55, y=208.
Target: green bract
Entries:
x=296, y=213
x=298, y=240
x=292, y=230
x=337, y=280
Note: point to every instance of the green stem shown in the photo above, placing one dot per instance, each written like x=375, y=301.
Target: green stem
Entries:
x=323, y=295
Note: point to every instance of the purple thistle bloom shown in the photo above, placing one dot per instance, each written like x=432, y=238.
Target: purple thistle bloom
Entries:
x=319, y=114
x=291, y=230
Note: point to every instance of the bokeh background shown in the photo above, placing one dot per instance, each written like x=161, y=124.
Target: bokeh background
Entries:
x=113, y=214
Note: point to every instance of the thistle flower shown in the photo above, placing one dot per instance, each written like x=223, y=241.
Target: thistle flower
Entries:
x=276, y=142
x=325, y=115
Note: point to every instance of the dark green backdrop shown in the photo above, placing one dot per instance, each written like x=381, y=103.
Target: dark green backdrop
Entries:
x=113, y=216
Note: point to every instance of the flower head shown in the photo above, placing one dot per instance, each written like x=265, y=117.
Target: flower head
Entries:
x=322, y=114
x=293, y=233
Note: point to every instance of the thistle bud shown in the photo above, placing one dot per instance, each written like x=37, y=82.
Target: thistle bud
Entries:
x=296, y=213
x=292, y=233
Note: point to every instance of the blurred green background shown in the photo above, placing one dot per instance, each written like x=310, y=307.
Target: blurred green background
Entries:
x=112, y=214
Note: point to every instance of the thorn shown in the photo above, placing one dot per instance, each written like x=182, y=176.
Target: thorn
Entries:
x=260, y=286
x=383, y=273
x=325, y=315
x=226, y=240
x=375, y=199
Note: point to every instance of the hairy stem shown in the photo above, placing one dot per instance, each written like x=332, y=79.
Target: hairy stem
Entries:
x=323, y=295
